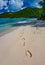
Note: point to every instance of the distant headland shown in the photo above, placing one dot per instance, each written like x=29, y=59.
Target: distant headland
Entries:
x=25, y=13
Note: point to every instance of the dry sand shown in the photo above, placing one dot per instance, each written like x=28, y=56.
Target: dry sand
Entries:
x=24, y=46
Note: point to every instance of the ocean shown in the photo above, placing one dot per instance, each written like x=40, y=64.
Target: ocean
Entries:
x=6, y=23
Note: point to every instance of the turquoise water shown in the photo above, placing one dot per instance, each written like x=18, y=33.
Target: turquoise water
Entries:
x=6, y=23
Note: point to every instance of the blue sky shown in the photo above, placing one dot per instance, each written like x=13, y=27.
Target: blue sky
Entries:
x=16, y=5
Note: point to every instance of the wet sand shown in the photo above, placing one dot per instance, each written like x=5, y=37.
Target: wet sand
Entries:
x=24, y=46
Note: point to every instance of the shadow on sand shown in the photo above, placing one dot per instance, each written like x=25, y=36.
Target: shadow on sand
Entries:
x=36, y=23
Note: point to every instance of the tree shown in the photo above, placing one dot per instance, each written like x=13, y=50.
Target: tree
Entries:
x=43, y=9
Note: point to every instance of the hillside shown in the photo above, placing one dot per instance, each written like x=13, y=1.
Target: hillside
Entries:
x=26, y=13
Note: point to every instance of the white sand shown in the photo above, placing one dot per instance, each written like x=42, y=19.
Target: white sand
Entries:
x=14, y=46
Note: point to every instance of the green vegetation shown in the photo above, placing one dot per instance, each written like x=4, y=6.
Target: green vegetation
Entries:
x=25, y=13
x=43, y=9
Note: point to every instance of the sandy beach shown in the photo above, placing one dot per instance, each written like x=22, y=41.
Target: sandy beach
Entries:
x=23, y=46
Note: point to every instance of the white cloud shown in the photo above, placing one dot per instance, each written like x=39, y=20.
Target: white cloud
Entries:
x=6, y=7
x=3, y=3
x=23, y=8
x=13, y=4
x=16, y=4
x=37, y=5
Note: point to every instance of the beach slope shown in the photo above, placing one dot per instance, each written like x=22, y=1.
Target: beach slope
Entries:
x=24, y=46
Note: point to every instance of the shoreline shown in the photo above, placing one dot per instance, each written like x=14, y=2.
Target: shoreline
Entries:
x=35, y=23
x=8, y=31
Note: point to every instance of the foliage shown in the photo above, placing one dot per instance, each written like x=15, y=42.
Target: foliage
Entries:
x=25, y=13
x=43, y=10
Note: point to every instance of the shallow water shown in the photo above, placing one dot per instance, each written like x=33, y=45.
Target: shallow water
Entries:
x=6, y=23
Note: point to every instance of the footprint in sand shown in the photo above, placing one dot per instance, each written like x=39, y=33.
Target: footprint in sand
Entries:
x=28, y=53
x=23, y=41
x=21, y=34
x=24, y=44
x=22, y=38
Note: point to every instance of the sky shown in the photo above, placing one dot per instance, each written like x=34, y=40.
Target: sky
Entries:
x=16, y=5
